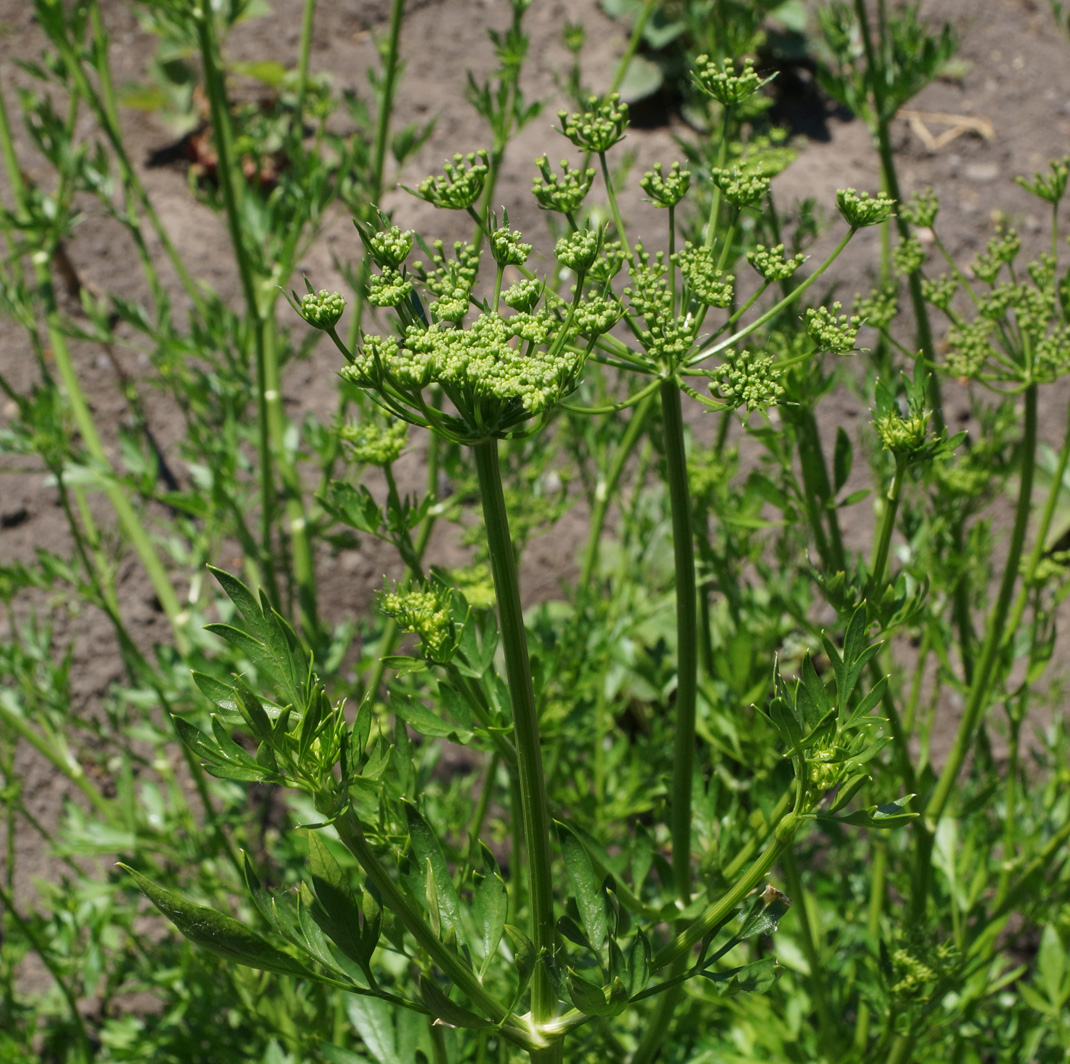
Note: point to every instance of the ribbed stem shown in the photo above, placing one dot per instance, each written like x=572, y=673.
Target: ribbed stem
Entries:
x=533, y=807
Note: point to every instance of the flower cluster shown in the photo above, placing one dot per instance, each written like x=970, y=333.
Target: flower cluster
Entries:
x=921, y=209
x=909, y=256
x=859, y=209
x=740, y=187
x=722, y=82
x=321, y=310
x=666, y=190
x=577, y=251
x=832, y=331
x=707, y=283
x=968, y=348
x=389, y=288
x=494, y=385
x=424, y=612
x=598, y=128
x=375, y=445
x=1001, y=250
x=747, y=380
x=879, y=308
x=564, y=193
x=773, y=264
x=939, y=290
x=507, y=248
x=390, y=247
x=462, y=184
x=1049, y=187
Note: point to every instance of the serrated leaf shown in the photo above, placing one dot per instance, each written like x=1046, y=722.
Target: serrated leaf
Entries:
x=585, y=889
x=217, y=932
x=230, y=750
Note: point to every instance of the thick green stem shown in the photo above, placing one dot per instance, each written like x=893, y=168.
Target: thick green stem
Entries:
x=606, y=489
x=981, y=690
x=686, y=638
x=879, y=562
x=385, y=103
x=533, y=807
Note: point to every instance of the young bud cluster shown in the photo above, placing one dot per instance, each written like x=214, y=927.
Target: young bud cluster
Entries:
x=462, y=184
x=773, y=264
x=832, y=331
x=666, y=190
x=565, y=193
x=723, y=84
x=859, y=209
x=598, y=128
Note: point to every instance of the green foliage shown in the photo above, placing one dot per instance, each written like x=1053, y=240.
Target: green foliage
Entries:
x=457, y=829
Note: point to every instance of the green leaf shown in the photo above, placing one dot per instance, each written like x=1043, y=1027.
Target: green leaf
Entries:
x=447, y=1011
x=491, y=907
x=889, y=815
x=220, y=694
x=842, y=459
x=428, y=851
x=216, y=932
x=391, y=1035
x=1051, y=966
x=753, y=978
x=196, y=740
x=766, y=914
x=589, y=898
x=341, y=915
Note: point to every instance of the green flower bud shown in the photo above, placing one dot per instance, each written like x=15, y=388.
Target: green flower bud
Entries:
x=390, y=247
x=564, y=193
x=747, y=380
x=832, y=331
x=859, y=209
x=523, y=295
x=879, y=308
x=773, y=264
x=424, y=612
x=968, y=348
x=699, y=266
x=909, y=256
x=322, y=310
x=740, y=189
x=1049, y=188
x=375, y=445
x=921, y=209
x=723, y=83
x=939, y=290
x=608, y=264
x=462, y=184
x=507, y=249
x=599, y=127
x=596, y=315
x=389, y=288
x=1001, y=250
x=666, y=191
x=578, y=250
x=452, y=305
